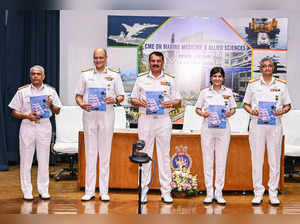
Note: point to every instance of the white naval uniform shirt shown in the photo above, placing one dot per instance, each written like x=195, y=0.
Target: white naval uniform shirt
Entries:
x=147, y=82
x=108, y=79
x=258, y=90
x=21, y=100
x=209, y=96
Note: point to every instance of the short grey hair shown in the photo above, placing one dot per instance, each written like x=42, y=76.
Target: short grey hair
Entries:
x=267, y=58
x=38, y=67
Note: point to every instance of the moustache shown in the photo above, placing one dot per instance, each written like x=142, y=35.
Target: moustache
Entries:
x=155, y=66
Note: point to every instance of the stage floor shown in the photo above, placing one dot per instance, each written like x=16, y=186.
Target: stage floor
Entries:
x=66, y=200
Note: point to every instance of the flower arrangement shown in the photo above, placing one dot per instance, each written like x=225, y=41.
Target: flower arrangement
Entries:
x=184, y=182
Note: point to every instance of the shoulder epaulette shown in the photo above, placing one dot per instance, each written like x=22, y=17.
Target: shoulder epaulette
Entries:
x=87, y=69
x=114, y=70
x=49, y=86
x=204, y=88
x=168, y=74
x=22, y=87
x=281, y=80
x=143, y=73
x=254, y=80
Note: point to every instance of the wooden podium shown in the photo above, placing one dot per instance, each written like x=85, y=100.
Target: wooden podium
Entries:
x=124, y=174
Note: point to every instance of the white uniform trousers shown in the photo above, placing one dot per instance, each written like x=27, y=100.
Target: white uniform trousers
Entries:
x=156, y=128
x=214, y=141
x=35, y=136
x=98, y=131
x=259, y=136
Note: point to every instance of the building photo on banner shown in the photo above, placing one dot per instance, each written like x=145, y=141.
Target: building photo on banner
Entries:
x=191, y=47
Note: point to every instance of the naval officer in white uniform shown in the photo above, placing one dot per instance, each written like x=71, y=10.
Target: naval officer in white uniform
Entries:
x=98, y=121
x=215, y=133
x=266, y=127
x=35, y=131
x=156, y=126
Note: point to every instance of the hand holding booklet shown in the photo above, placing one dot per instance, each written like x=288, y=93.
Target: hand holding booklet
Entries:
x=96, y=98
x=154, y=101
x=39, y=106
x=217, y=117
x=266, y=113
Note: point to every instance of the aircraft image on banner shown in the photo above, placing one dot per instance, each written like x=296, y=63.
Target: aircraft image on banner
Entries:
x=133, y=32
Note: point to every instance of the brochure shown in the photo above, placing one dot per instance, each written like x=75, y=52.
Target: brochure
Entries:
x=266, y=113
x=217, y=118
x=96, y=98
x=154, y=101
x=39, y=106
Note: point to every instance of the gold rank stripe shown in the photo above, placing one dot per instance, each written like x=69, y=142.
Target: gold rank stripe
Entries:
x=143, y=73
x=114, y=70
x=281, y=80
x=22, y=87
x=168, y=74
x=254, y=80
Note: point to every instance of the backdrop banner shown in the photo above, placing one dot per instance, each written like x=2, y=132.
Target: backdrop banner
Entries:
x=192, y=46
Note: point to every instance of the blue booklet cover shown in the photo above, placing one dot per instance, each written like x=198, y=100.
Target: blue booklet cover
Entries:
x=96, y=98
x=39, y=106
x=266, y=113
x=217, y=118
x=154, y=101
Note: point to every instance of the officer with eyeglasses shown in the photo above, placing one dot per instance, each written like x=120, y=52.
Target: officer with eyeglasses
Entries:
x=266, y=100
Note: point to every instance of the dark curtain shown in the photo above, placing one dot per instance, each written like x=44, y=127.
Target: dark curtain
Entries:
x=3, y=145
x=32, y=38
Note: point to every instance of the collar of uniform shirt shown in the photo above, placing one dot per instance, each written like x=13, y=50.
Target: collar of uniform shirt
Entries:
x=211, y=88
x=104, y=71
x=33, y=87
x=158, y=77
x=263, y=81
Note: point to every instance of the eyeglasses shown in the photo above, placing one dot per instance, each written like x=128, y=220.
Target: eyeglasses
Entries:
x=265, y=66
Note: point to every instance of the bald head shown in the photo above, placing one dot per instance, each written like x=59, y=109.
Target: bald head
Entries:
x=100, y=58
x=102, y=50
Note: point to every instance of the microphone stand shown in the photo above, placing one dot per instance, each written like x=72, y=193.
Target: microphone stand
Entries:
x=140, y=158
x=140, y=190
